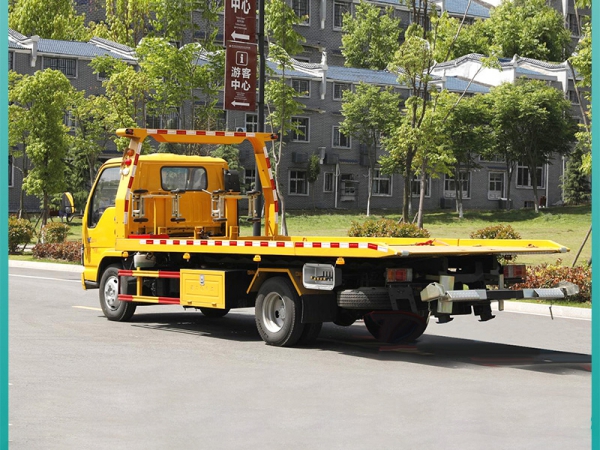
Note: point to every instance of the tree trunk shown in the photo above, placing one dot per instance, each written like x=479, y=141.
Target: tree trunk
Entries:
x=369, y=191
x=421, y=198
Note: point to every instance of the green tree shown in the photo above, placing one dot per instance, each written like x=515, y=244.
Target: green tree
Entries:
x=229, y=153
x=454, y=38
x=370, y=36
x=53, y=19
x=312, y=174
x=44, y=98
x=532, y=121
x=126, y=21
x=528, y=28
x=368, y=113
x=279, y=95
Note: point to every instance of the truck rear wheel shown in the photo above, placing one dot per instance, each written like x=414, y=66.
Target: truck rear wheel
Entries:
x=278, y=313
x=396, y=327
x=112, y=307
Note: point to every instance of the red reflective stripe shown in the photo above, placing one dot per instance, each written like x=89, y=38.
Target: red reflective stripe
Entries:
x=167, y=274
x=130, y=183
x=149, y=241
x=163, y=242
x=181, y=132
x=272, y=184
x=168, y=301
x=276, y=204
x=218, y=242
x=248, y=243
x=189, y=242
x=268, y=163
x=125, y=297
x=335, y=245
x=126, y=205
x=264, y=244
x=125, y=273
x=203, y=242
x=281, y=244
x=299, y=244
x=136, y=158
x=161, y=131
x=372, y=246
x=353, y=245
x=176, y=241
x=233, y=243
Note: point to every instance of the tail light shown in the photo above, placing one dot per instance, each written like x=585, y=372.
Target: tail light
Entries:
x=513, y=271
x=399, y=275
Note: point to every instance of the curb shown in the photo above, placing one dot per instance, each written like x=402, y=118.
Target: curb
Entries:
x=566, y=312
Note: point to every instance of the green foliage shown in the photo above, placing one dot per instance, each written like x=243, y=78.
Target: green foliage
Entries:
x=501, y=231
x=369, y=36
x=528, y=28
x=386, y=228
x=64, y=251
x=549, y=275
x=575, y=181
x=20, y=232
x=229, y=153
x=453, y=40
x=54, y=233
x=314, y=168
x=49, y=19
x=280, y=20
x=125, y=21
x=39, y=103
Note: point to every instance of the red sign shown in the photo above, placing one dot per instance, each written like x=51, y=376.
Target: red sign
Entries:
x=240, y=20
x=240, y=76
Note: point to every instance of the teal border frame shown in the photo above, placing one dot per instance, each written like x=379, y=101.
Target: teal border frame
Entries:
x=595, y=242
x=4, y=235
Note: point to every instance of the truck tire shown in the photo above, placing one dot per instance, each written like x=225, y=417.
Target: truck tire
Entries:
x=396, y=327
x=310, y=334
x=278, y=313
x=214, y=313
x=112, y=307
x=365, y=298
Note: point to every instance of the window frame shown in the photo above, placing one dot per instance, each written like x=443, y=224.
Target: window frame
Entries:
x=416, y=183
x=327, y=175
x=11, y=171
x=335, y=14
x=379, y=178
x=450, y=179
x=297, y=8
x=523, y=170
x=296, y=86
x=503, y=190
x=47, y=59
x=301, y=138
x=251, y=123
x=339, y=98
x=336, y=132
x=295, y=180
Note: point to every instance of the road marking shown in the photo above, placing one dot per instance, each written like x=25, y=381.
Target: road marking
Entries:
x=547, y=315
x=88, y=307
x=45, y=278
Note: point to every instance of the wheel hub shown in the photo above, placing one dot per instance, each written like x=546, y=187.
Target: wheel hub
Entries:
x=274, y=312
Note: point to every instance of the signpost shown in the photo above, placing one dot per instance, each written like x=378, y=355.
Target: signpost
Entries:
x=240, y=64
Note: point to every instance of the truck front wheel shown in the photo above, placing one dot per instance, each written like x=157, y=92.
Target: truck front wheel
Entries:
x=278, y=313
x=112, y=307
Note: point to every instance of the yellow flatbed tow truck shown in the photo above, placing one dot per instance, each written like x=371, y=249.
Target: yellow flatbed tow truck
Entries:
x=164, y=229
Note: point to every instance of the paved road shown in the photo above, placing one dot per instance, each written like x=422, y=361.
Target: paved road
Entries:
x=173, y=379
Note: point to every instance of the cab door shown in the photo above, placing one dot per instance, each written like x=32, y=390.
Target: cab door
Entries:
x=98, y=227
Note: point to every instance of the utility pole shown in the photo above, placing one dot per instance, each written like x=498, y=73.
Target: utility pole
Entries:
x=262, y=61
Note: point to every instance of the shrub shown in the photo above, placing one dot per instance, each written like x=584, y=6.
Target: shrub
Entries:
x=549, y=275
x=385, y=228
x=54, y=233
x=20, y=232
x=65, y=251
x=496, y=232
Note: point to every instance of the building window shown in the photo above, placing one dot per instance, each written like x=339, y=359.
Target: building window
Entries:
x=11, y=60
x=249, y=179
x=301, y=132
x=572, y=96
x=573, y=24
x=68, y=120
x=302, y=87
x=340, y=140
x=347, y=185
x=524, y=177
x=338, y=90
x=415, y=186
x=339, y=9
x=67, y=66
x=302, y=9
x=328, y=182
x=495, y=185
x=251, y=123
x=11, y=171
x=450, y=186
x=297, y=182
x=169, y=120
x=382, y=184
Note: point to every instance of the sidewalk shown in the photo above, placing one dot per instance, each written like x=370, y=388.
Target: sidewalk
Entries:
x=518, y=307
